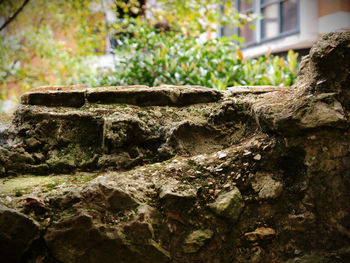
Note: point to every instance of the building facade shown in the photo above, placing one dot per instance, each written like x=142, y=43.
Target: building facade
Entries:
x=288, y=24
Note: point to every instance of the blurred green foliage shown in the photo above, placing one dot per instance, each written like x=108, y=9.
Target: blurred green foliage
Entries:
x=194, y=17
x=153, y=58
x=49, y=42
x=178, y=54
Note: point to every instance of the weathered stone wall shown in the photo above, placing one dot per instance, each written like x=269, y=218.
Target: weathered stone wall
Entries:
x=116, y=127
x=252, y=174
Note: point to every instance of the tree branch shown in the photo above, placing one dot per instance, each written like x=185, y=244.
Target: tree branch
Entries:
x=8, y=21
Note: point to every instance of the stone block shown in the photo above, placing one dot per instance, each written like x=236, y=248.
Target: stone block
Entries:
x=156, y=96
x=56, y=96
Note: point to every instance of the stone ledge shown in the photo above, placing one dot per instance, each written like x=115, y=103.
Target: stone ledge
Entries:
x=255, y=89
x=61, y=88
x=77, y=95
x=56, y=96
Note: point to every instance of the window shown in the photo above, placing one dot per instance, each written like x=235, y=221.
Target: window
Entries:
x=279, y=18
x=246, y=7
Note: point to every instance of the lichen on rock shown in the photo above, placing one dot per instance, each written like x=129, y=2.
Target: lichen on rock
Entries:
x=228, y=205
x=196, y=239
x=266, y=186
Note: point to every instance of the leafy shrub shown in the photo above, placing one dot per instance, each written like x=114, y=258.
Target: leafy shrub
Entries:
x=49, y=43
x=151, y=58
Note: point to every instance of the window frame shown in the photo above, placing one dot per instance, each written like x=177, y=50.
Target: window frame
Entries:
x=258, y=7
x=280, y=20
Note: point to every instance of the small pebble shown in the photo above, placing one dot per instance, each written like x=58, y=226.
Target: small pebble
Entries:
x=265, y=147
x=246, y=153
x=257, y=157
x=222, y=155
x=227, y=186
x=157, y=114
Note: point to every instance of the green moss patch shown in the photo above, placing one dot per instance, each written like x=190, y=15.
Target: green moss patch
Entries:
x=20, y=185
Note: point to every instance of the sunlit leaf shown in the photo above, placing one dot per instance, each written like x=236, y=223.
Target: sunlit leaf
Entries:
x=239, y=54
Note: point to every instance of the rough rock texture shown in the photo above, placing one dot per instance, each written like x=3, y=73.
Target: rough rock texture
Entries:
x=185, y=174
x=265, y=186
x=228, y=205
x=17, y=233
x=196, y=239
x=109, y=132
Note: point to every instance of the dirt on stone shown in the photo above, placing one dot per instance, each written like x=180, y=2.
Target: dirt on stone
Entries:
x=246, y=175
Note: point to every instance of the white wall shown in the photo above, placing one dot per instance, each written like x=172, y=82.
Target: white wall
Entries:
x=307, y=35
x=335, y=21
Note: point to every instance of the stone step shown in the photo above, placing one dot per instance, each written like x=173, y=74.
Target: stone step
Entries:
x=56, y=96
x=255, y=89
x=78, y=95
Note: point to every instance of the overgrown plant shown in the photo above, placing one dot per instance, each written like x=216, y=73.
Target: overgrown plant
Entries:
x=186, y=51
x=152, y=58
x=268, y=70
